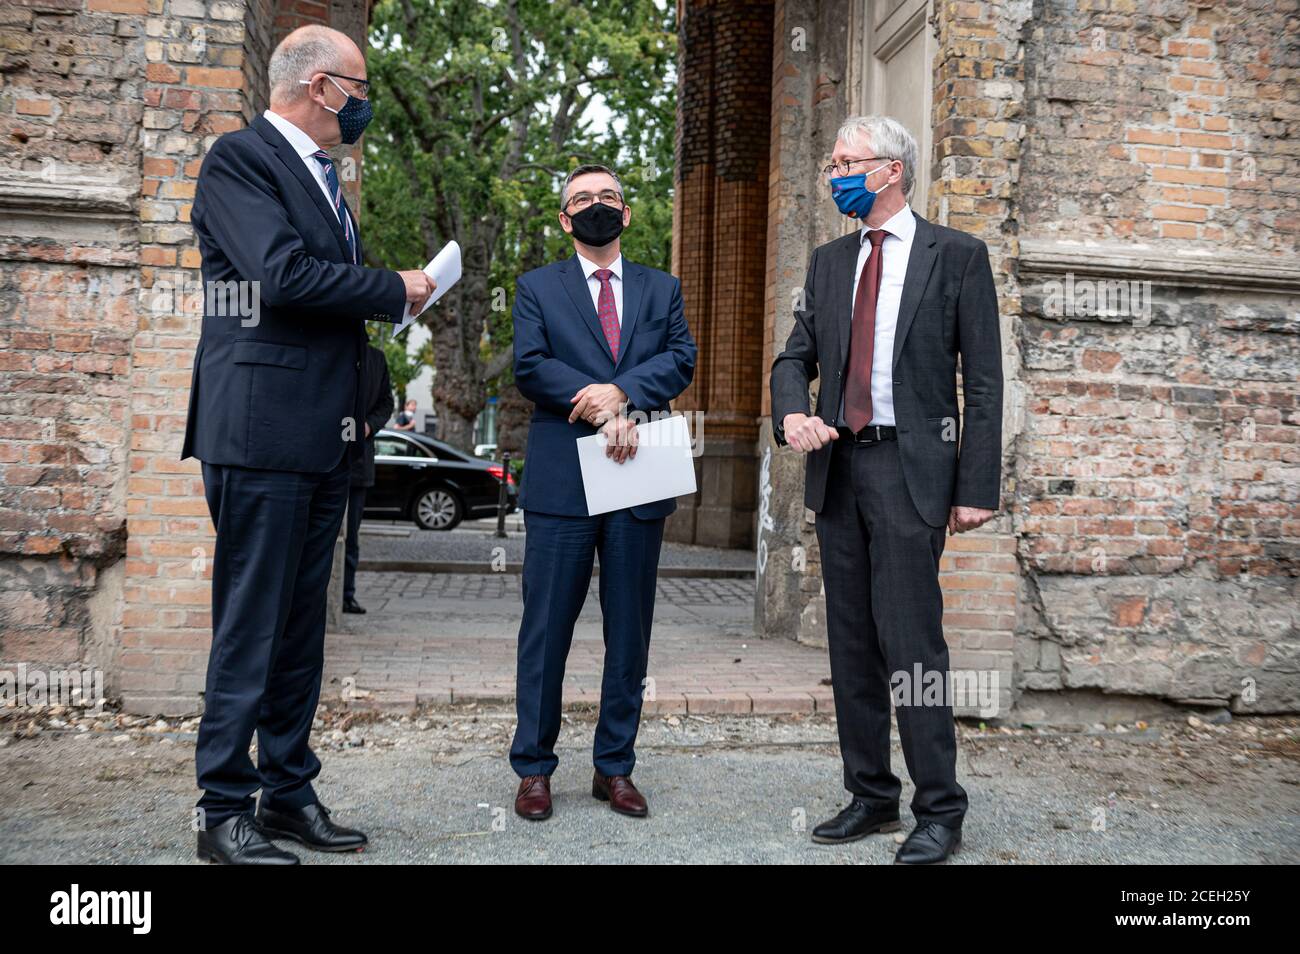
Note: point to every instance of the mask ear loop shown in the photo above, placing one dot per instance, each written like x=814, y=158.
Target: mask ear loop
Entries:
x=337, y=87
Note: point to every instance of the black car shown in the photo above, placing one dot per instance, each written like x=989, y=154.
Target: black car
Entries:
x=434, y=484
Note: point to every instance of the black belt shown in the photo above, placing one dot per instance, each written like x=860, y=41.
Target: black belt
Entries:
x=871, y=434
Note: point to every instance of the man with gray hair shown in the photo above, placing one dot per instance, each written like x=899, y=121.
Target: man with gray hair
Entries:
x=887, y=311
x=276, y=418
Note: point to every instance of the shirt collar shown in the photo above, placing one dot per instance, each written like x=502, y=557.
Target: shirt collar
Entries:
x=902, y=224
x=302, y=144
x=588, y=267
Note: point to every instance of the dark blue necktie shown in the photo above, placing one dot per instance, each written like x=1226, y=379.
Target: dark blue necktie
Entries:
x=341, y=210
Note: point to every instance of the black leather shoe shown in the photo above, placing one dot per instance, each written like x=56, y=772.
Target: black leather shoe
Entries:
x=929, y=844
x=236, y=841
x=310, y=826
x=857, y=820
x=352, y=606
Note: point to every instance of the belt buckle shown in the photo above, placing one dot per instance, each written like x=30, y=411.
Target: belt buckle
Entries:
x=860, y=439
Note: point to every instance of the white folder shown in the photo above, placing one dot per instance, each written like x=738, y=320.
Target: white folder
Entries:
x=663, y=467
x=444, y=269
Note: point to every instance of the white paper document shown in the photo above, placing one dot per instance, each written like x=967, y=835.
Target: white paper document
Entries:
x=663, y=467
x=445, y=272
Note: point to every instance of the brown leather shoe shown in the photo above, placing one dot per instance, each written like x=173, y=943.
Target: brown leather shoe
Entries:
x=533, y=800
x=621, y=794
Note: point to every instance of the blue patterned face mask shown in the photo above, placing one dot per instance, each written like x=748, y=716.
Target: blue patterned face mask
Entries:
x=852, y=196
x=354, y=116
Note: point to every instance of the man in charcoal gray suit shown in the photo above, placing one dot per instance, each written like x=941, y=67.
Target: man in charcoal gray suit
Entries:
x=886, y=313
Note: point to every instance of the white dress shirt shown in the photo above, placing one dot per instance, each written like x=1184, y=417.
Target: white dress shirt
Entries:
x=306, y=148
x=615, y=284
x=895, y=249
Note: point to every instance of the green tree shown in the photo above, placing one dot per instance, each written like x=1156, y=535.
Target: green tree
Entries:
x=480, y=110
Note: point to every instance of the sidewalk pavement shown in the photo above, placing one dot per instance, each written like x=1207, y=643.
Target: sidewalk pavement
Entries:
x=473, y=547
x=433, y=638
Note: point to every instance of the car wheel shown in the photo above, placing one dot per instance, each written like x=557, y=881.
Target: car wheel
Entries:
x=437, y=509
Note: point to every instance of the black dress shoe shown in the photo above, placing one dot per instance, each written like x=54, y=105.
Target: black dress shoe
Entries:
x=352, y=606
x=236, y=841
x=310, y=826
x=857, y=820
x=929, y=844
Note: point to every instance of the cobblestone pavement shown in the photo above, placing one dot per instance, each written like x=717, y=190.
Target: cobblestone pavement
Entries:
x=386, y=542
x=441, y=638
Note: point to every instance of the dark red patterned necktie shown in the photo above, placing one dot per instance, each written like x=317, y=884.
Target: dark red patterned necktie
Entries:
x=606, y=311
x=862, y=341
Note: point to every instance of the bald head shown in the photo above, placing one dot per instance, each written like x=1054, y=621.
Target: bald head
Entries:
x=305, y=52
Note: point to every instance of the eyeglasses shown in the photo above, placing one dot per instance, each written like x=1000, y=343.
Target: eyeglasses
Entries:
x=363, y=84
x=845, y=166
x=581, y=200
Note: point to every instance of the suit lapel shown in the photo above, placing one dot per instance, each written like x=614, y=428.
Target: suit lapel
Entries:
x=293, y=162
x=575, y=283
x=919, y=265
x=633, y=285
x=844, y=264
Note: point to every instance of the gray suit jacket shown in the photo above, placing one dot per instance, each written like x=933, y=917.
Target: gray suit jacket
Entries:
x=949, y=308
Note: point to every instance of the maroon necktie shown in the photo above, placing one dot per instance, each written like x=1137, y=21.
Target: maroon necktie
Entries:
x=606, y=311
x=862, y=341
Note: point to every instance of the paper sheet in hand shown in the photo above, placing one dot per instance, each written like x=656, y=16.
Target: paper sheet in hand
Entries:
x=663, y=467
x=445, y=272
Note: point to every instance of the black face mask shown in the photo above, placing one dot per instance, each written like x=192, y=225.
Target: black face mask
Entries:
x=597, y=225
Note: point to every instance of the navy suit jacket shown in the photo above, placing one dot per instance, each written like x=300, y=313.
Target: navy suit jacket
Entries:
x=560, y=348
x=276, y=393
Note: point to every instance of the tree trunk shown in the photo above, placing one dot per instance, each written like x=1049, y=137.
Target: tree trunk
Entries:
x=513, y=412
x=456, y=430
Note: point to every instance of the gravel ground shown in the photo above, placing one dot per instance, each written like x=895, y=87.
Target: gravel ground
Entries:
x=437, y=788
x=474, y=542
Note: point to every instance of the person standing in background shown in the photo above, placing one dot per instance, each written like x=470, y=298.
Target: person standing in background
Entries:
x=406, y=420
x=377, y=395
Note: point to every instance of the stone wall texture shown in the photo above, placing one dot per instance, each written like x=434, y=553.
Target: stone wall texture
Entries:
x=109, y=108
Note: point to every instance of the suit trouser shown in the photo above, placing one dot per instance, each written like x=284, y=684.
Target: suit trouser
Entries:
x=884, y=616
x=275, y=546
x=352, y=545
x=558, y=557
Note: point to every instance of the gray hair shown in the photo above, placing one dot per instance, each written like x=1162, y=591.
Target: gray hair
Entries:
x=889, y=139
x=303, y=53
x=583, y=170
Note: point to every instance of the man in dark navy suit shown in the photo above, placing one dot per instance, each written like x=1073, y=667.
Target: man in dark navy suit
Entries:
x=596, y=337
x=276, y=417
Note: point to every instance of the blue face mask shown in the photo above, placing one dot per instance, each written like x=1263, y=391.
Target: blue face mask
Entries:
x=852, y=196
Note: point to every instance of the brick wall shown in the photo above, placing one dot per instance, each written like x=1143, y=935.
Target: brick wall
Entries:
x=719, y=219
x=1156, y=508
x=110, y=106
x=70, y=81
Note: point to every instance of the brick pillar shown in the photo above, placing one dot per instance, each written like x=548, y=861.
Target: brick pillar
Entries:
x=719, y=252
x=205, y=75
x=979, y=93
x=810, y=62
x=202, y=63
